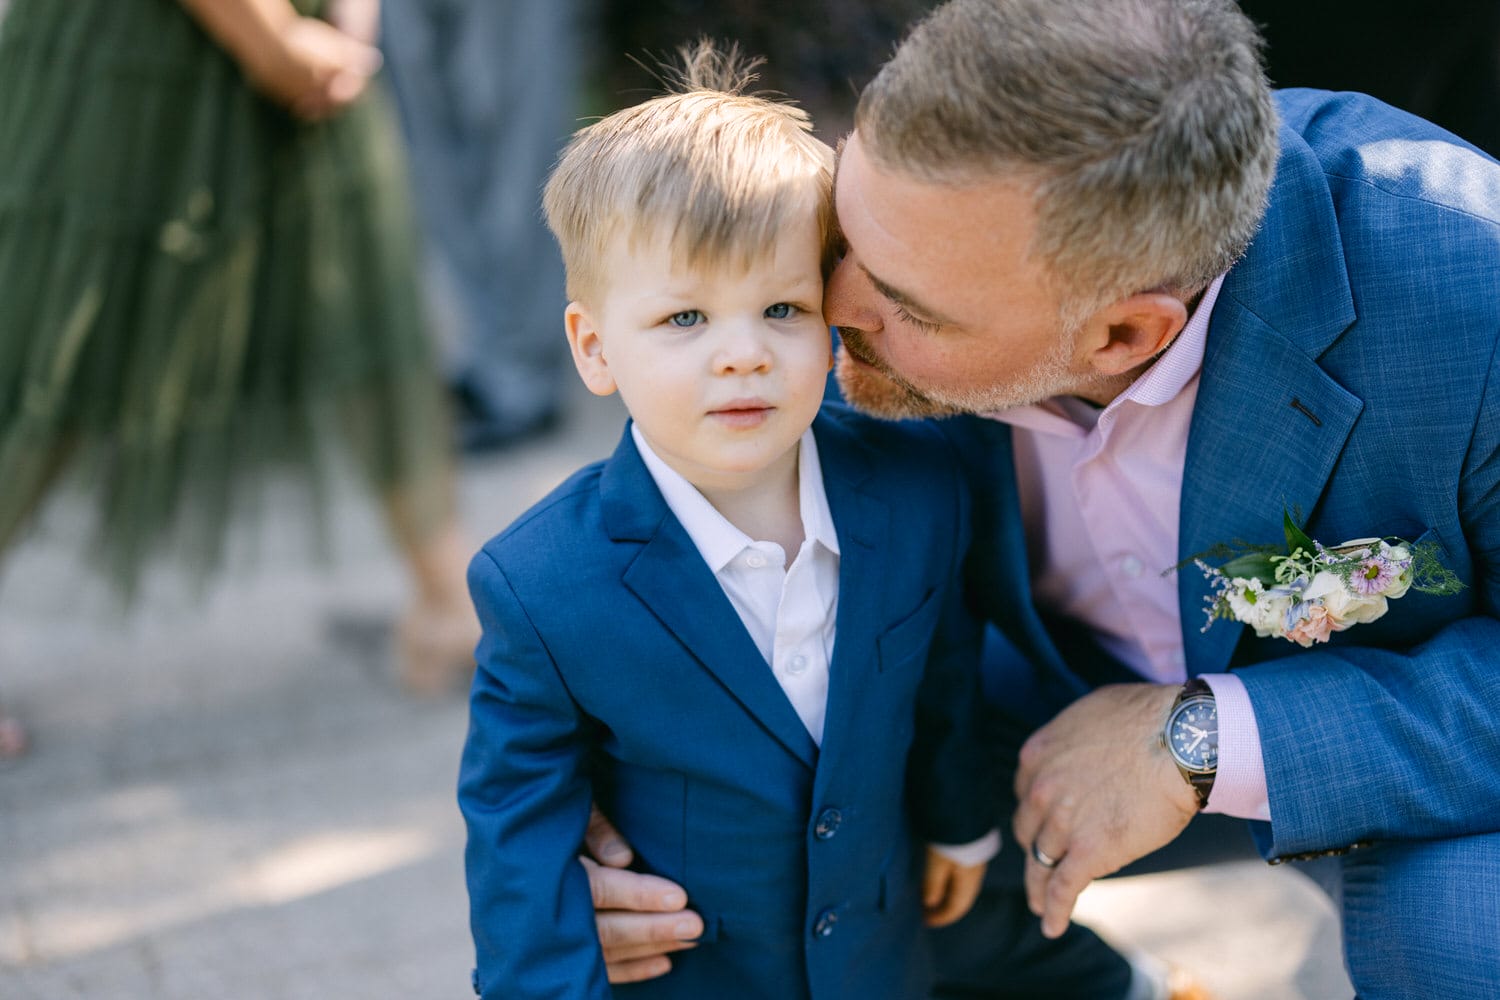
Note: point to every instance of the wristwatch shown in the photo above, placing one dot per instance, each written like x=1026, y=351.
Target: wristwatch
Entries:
x=1191, y=736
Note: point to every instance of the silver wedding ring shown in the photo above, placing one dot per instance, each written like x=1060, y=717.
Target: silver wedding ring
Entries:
x=1041, y=857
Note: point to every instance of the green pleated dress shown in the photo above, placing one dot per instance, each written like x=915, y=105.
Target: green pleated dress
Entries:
x=196, y=288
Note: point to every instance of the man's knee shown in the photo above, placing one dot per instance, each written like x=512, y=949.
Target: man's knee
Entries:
x=997, y=952
x=1422, y=919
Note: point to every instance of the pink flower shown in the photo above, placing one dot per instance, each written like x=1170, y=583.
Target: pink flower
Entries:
x=1314, y=624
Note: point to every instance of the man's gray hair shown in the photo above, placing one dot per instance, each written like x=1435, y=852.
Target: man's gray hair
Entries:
x=1145, y=126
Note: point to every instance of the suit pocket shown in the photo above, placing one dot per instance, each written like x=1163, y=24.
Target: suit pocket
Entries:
x=906, y=642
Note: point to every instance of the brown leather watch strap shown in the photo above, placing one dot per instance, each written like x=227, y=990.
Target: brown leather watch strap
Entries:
x=1202, y=783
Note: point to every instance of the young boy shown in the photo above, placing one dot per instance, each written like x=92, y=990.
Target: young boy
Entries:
x=734, y=634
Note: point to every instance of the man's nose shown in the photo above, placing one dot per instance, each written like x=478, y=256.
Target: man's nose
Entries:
x=849, y=300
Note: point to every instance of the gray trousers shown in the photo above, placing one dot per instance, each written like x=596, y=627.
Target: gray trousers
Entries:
x=487, y=92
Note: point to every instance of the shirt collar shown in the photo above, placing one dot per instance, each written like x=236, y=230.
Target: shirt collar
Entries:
x=1181, y=362
x=716, y=539
x=1159, y=384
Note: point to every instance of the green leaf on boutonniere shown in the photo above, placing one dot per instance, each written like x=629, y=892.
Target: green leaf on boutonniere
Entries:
x=1296, y=538
x=1251, y=566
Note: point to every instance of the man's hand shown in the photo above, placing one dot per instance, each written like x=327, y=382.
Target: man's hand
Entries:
x=1097, y=791
x=948, y=888
x=640, y=918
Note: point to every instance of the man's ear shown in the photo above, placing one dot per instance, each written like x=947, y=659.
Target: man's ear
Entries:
x=1129, y=333
x=588, y=349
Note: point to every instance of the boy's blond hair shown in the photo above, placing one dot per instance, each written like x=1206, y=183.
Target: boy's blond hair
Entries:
x=713, y=169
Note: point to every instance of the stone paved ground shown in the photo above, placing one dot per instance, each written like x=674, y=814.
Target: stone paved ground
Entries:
x=227, y=797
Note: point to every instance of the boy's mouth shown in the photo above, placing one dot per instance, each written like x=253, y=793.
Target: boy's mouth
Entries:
x=742, y=413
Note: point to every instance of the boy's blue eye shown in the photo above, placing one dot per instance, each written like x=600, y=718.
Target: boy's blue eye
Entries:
x=781, y=310
x=686, y=318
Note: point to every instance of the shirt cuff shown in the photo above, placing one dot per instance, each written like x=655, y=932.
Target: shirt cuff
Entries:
x=1240, y=785
x=975, y=852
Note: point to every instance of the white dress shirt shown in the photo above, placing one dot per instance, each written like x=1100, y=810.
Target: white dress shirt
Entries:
x=788, y=610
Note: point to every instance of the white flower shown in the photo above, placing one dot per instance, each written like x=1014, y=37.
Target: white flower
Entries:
x=1263, y=610
x=1400, y=555
x=1344, y=607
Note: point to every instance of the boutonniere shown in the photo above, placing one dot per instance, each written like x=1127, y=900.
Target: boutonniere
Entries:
x=1308, y=591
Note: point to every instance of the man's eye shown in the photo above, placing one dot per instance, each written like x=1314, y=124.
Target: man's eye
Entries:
x=781, y=310
x=906, y=317
x=686, y=318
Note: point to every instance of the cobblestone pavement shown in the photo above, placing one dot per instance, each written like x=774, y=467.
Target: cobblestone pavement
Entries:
x=227, y=796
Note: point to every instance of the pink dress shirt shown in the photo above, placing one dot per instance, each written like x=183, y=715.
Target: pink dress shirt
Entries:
x=1100, y=492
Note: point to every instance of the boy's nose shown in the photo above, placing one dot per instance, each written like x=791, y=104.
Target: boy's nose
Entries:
x=742, y=349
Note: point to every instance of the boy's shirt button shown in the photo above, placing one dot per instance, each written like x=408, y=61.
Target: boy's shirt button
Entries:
x=796, y=664
x=755, y=560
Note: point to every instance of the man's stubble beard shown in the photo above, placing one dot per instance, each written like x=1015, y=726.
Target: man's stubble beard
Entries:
x=875, y=388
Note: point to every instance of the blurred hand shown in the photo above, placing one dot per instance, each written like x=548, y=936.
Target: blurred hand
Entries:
x=315, y=71
x=948, y=888
x=359, y=19
x=1096, y=792
x=640, y=918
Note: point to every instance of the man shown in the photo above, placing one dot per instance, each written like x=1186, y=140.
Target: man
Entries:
x=1175, y=309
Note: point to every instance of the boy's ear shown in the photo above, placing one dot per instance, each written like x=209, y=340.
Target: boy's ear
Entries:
x=1126, y=334
x=588, y=349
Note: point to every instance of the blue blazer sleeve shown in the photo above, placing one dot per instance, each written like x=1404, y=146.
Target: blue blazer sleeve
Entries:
x=1425, y=760
x=525, y=796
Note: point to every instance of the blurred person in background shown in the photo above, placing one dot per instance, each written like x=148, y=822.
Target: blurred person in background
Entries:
x=487, y=94
x=206, y=275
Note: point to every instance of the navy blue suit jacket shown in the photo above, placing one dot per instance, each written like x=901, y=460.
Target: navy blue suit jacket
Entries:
x=1351, y=374
x=613, y=667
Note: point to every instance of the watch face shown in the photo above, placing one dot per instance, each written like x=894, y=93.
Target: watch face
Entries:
x=1193, y=734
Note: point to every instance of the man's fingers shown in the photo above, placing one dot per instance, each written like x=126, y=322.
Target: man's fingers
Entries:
x=1061, y=896
x=631, y=935
x=617, y=889
x=604, y=841
x=635, y=952
x=638, y=970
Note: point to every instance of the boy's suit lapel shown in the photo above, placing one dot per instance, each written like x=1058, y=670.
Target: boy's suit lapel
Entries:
x=862, y=521
x=1268, y=423
x=672, y=580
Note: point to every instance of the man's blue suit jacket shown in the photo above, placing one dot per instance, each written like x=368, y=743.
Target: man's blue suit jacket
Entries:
x=1351, y=375
x=614, y=667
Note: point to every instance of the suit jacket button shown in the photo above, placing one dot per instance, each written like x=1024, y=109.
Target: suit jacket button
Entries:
x=823, y=926
x=828, y=824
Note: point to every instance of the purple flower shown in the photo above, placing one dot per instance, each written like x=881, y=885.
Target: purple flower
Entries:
x=1373, y=575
